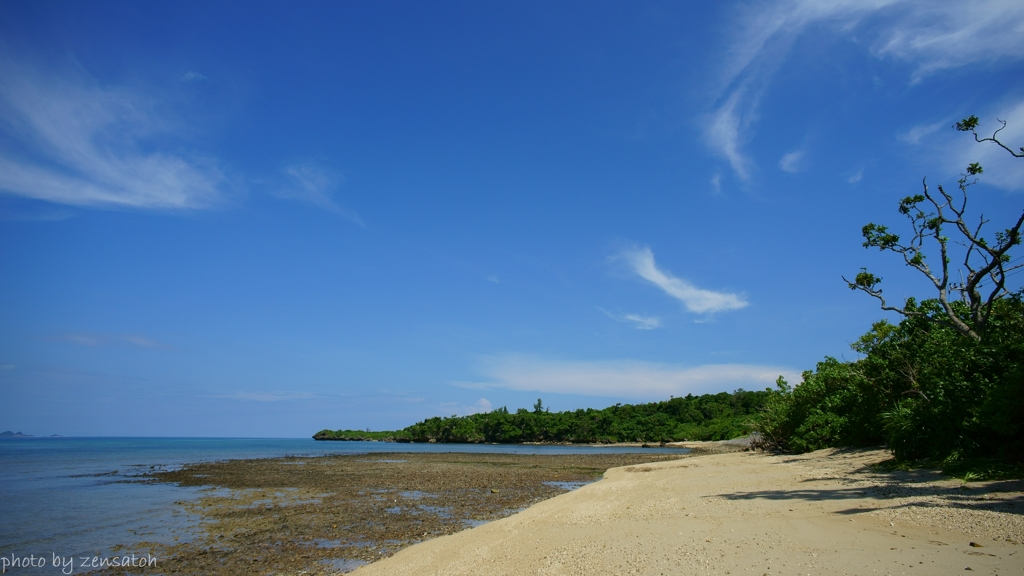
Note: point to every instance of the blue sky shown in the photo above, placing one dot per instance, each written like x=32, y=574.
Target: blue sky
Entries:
x=269, y=219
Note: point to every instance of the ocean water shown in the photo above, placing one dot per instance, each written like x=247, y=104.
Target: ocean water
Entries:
x=70, y=498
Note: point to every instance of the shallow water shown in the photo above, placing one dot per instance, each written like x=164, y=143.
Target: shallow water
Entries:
x=75, y=497
x=566, y=485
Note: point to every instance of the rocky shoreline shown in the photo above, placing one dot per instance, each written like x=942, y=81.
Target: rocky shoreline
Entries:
x=329, y=514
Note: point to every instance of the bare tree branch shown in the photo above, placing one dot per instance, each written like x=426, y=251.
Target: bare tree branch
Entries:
x=970, y=124
x=983, y=260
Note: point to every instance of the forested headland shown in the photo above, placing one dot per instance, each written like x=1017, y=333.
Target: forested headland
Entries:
x=708, y=417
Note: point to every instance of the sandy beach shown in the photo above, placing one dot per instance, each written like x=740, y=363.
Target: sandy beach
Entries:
x=828, y=512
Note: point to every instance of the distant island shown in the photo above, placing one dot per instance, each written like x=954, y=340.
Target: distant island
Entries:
x=9, y=434
x=720, y=416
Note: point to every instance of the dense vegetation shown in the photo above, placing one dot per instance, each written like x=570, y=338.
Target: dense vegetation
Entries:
x=385, y=436
x=947, y=383
x=708, y=417
x=922, y=388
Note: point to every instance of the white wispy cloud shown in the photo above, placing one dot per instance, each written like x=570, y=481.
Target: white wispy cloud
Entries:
x=727, y=129
x=277, y=396
x=312, y=183
x=915, y=134
x=855, y=177
x=84, y=339
x=941, y=35
x=931, y=35
x=142, y=341
x=481, y=406
x=76, y=142
x=792, y=162
x=48, y=216
x=1001, y=169
x=93, y=340
x=639, y=322
x=397, y=397
x=643, y=322
x=191, y=76
x=641, y=261
x=630, y=379
x=955, y=150
x=716, y=183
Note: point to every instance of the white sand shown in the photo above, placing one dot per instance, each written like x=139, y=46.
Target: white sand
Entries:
x=744, y=513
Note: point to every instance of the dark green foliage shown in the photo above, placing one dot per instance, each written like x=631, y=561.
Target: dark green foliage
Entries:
x=984, y=468
x=923, y=388
x=387, y=436
x=967, y=124
x=947, y=383
x=978, y=469
x=709, y=417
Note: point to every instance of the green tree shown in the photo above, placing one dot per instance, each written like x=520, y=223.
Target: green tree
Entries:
x=947, y=382
x=980, y=278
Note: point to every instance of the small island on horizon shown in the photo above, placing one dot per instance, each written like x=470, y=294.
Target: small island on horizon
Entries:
x=10, y=434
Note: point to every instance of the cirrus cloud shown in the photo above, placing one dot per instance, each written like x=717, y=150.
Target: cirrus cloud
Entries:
x=699, y=300
x=631, y=379
x=78, y=143
x=275, y=396
x=930, y=35
x=638, y=321
x=957, y=150
x=92, y=340
x=792, y=162
x=309, y=182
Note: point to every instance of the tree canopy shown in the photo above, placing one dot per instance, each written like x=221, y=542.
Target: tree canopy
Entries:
x=984, y=263
x=947, y=382
x=708, y=417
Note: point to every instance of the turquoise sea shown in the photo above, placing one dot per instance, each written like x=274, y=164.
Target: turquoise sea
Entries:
x=72, y=498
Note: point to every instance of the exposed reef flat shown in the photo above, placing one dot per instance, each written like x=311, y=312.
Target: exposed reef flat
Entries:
x=326, y=515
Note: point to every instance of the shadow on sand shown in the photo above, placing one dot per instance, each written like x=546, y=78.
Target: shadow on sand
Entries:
x=890, y=489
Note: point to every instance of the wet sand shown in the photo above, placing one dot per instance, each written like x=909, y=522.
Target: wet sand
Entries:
x=328, y=515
